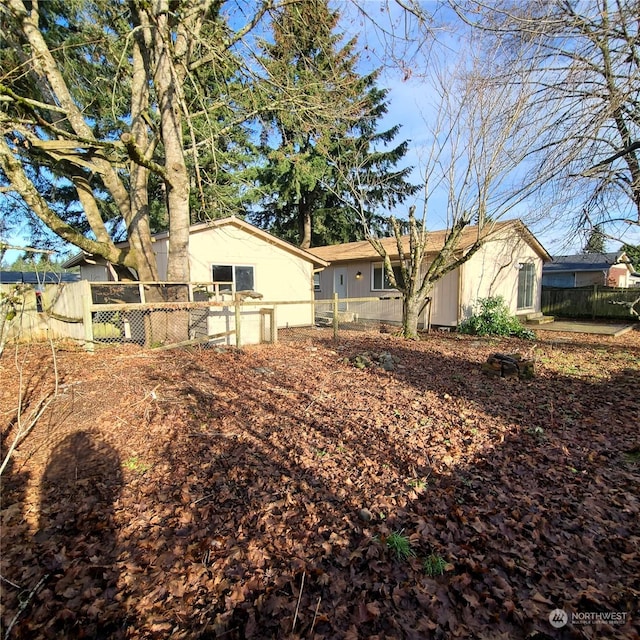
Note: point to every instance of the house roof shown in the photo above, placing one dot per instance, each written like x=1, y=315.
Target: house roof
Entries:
x=363, y=250
x=317, y=261
x=587, y=262
x=32, y=277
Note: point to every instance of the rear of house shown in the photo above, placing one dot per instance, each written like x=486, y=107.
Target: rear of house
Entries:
x=508, y=264
x=228, y=256
x=588, y=269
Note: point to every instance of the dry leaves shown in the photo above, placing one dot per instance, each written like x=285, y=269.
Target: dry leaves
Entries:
x=196, y=510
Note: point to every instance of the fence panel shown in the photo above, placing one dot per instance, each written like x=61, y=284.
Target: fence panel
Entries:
x=53, y=311
x=589, y=302
x=194, y=313
x=333, y=316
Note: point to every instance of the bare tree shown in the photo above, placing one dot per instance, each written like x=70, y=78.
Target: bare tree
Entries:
x=583, y=58
x=479, y=144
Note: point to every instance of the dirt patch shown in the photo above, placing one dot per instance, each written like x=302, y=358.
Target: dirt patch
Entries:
x=266, y=492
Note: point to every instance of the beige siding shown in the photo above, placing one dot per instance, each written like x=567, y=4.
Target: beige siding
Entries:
x=444, y=300
x=493, y=271
x=278, y=274
x=357, y=286
x=444, y=304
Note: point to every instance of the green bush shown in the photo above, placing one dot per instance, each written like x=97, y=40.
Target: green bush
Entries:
x=493, y=318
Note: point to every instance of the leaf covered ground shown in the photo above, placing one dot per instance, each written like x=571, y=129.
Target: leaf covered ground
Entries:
x=263, y=493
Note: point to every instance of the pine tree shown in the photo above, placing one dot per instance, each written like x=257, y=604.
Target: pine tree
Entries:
x=304, y=193
x=595, y=241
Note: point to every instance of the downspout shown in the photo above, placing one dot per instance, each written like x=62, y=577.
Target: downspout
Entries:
x=460, y=281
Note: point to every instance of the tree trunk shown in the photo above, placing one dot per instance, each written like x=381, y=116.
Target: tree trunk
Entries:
x=138, y=226
x=304, y=224
x=177, y=182
x=411, y=308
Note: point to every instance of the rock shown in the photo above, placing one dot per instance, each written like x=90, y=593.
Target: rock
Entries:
x=509, y=366
x=365, y=515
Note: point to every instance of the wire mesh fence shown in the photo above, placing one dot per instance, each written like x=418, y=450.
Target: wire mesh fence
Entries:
x=334, y=317
x=156, y=315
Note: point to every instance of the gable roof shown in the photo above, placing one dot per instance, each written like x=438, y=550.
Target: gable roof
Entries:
x=587, y=262
x=363, y=250
x=83, y=256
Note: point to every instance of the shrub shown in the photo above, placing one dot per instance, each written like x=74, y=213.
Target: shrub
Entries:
x=493, y=318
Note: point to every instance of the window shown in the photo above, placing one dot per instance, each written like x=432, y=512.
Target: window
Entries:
x=380, y=279
x=526, y=280
x=233, y=276
x=316, y=282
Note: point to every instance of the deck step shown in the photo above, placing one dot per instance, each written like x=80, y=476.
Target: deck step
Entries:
x=535, y=318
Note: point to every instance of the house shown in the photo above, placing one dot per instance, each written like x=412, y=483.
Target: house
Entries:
x=235, y=256
x=587, y=269
x=36, y=278
x=508, y=264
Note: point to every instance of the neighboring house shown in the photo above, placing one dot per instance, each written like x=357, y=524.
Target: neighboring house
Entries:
x=237, y=256
x=509, y=264
x=37, y=278
x=587, y=269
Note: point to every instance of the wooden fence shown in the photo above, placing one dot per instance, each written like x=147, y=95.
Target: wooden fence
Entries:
x=590, y=302
x=54, y=312
x=161, y=314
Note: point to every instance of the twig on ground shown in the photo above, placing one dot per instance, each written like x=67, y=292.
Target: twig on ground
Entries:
x=13, y=584
x=315, y=615
x=295, y=617
x=23, y=429
x=209, y=495
x=24, y=604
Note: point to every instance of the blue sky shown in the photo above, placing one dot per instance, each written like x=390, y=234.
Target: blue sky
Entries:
x=404, y=74
x=406, y=78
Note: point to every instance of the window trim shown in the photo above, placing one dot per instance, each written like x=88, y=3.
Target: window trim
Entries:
x=380, y=265
x=234, y=280
x=528, y=286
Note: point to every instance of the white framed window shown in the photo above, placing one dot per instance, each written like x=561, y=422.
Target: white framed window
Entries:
x=379, y=279
x=233, y=277
x=526, y=284
x=316, y=282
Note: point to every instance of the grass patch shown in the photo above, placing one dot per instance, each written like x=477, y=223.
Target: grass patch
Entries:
x=135, y=464
x=434, y=565
x=400, y=545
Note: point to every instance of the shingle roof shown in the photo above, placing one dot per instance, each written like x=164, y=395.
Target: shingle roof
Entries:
x=31, y=277
x=363, y=250
x=585, y=262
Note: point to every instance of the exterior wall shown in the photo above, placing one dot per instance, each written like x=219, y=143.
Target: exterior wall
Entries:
x=618, y=276
x=279, y=275
x=444, y=297
x=589, y=278
x=565, y=280
x=493, y=271
x=95, y=273
x=356, y=287
x=444, y=300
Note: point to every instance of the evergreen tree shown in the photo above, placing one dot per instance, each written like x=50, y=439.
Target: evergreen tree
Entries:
x=302, y=181
x=595, y=241
x=633, y=253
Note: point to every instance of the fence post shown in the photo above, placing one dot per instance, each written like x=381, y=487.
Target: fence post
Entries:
x=594, y=302
x=335, y=316
x=87, y=301
x=238, y=321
